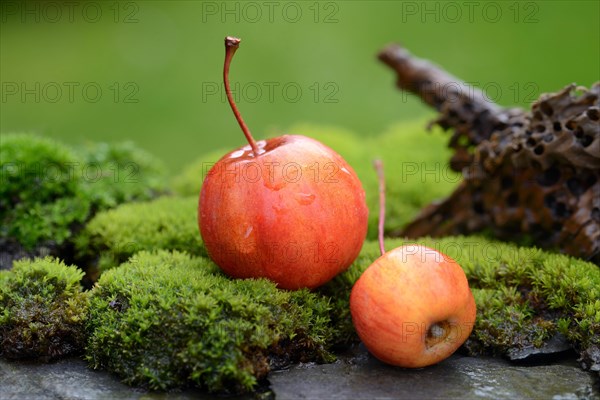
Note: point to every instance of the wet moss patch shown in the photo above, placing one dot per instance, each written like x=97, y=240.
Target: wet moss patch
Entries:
x=165, y=320
x=42, y=310
x=113, y=236
x=50, y=190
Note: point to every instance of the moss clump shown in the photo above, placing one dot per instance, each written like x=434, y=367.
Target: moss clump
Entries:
x=49, y=190
x=166, y=320
x=415, y=176
x=42, y=194
x=120, y=173
x=524, y=296
x=112, y=236
x=43, y=310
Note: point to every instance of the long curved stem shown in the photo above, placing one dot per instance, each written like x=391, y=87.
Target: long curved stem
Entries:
x=378, y=164
x=231, y=45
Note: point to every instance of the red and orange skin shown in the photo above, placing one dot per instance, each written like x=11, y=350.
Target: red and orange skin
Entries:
x=413, y=307
x=294, y=213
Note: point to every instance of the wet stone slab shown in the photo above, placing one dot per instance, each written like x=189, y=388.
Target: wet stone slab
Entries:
x=362, y=376
x=356, y=375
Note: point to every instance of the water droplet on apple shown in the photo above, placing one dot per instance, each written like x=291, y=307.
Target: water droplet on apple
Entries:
x=248, y=232
x=345, y=170
x=305, y=198
x=274, y=186
x=237, y=153
x=247, y=150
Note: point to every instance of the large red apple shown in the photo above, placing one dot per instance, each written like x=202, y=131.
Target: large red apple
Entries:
x=289, y=209
x=413, y=307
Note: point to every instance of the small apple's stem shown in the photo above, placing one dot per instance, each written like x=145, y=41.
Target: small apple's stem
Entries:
x=231, y=45
x=378, y=164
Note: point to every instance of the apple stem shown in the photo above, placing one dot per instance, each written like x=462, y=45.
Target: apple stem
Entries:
x=231, y=45
x=378, y=164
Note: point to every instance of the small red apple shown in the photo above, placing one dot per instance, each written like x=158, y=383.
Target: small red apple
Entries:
x=412, y=307
x=289, y=209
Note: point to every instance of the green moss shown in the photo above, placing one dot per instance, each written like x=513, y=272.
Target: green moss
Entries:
x=48, y=190
x=165, y=320
x=42, y=194
x=120, y=173
x=43, y=310
x=112, y=236
x=524, y=295
x=414, y=162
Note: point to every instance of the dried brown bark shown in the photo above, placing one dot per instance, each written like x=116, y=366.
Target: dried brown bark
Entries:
x=531, y=175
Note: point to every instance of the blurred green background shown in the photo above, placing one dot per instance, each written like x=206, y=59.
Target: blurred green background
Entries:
x=150, y=71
